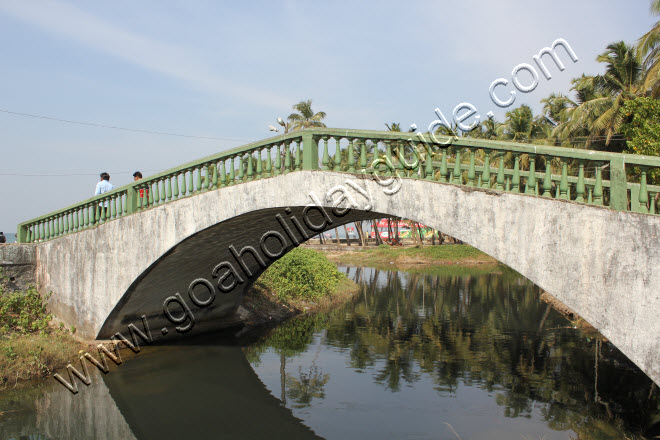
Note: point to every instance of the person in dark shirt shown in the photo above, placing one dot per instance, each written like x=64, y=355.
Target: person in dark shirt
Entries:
x=137, y=176
x=3, y=239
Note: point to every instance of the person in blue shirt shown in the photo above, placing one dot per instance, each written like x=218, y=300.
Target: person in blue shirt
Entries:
x=102, y=187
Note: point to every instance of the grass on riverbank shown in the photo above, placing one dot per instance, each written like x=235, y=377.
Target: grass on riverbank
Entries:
x=410, y=256
x=304, y=280
x=24, y=357
x=29, y=345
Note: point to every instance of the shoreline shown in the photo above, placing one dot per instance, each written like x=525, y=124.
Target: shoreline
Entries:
x=261, y=308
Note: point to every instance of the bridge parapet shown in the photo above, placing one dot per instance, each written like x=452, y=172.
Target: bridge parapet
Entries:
x=617, y=181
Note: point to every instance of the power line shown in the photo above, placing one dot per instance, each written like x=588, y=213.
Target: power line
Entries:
x=71, y=174
x=91, y=124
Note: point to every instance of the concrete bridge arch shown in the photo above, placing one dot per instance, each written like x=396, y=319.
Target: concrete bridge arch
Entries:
x=601, y=263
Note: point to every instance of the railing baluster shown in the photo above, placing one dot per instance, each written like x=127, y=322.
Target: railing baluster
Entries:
x=241, y=169
x=389, y=164
x=297, y=163
x=168, y=188
x=363, y=155
x=278, y=159
x=643, y=192
x=214, y=177
x=350, y=157
x=287, y=158
x=500, y=174
x=198, y=183
x=259, y=164
x=579, y=188
x=338, y=155
x=485, y=175
x=223, y=174
x=547, y=181
x=156, y=191
x=471, y=177
x=269, y=162
x=530, y=186
x=443, y=165
x=430, y=174
x=113, y=207
x=515, y=179
x=325, y=161
x=598, y=188
x=563, y=184
x=250, y=168
x=458, y=178
x=175, y=186
x=231, y=171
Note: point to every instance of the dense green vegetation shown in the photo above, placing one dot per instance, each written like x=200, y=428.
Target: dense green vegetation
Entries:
x=302, y=274
x=29, y=346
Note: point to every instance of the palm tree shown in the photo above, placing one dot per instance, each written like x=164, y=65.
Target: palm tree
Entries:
x=648, y=46
x=305, y=118
x=595, y=113
x=520, y=125
x=488, y=129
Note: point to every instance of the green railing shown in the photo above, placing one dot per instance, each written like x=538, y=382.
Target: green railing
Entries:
x=583, y=176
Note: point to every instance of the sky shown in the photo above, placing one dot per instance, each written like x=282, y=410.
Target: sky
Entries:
x=227, y=70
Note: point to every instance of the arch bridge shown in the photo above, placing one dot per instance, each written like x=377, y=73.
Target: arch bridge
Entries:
x=177, y=250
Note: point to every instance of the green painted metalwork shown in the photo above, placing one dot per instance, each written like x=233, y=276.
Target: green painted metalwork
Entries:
x=471, y=176
x=297, y=162
x=605, y=184
x=363, y=156
x=643, y=192
x=515, y=180
x=250, y=168
x=326, y=157
x=547, y=181
x=338, y=155
x=430, y=175
x=598, y=187
x=231, y=171
x=269, y=162
x=287, y=158
x=530, y=185
x=563, y=185
x=580, y=188
x=457, y=168
x=443, y=166
x=389, y=165
x=351, y=155
x=485, y=175
x=259, y=170
x=500, y=174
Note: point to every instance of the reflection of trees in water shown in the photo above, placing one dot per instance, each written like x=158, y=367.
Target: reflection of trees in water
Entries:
x=306, y=386
x=487, y=330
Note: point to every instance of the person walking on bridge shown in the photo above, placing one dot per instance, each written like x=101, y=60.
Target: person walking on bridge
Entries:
x=3, y=239
x=103, y=187
x=138, y=176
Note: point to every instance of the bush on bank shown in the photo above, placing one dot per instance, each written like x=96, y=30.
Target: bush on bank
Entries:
x=302, y=274
x=29, y=346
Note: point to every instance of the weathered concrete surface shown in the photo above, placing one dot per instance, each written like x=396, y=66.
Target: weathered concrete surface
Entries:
x=603, y=264
x=18, y=262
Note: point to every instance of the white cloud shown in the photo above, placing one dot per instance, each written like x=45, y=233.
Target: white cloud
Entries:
x=175, y=61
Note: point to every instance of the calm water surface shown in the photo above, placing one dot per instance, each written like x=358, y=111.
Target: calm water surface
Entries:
x=435, y=354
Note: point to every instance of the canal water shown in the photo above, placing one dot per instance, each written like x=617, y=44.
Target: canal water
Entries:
x=438, y=353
